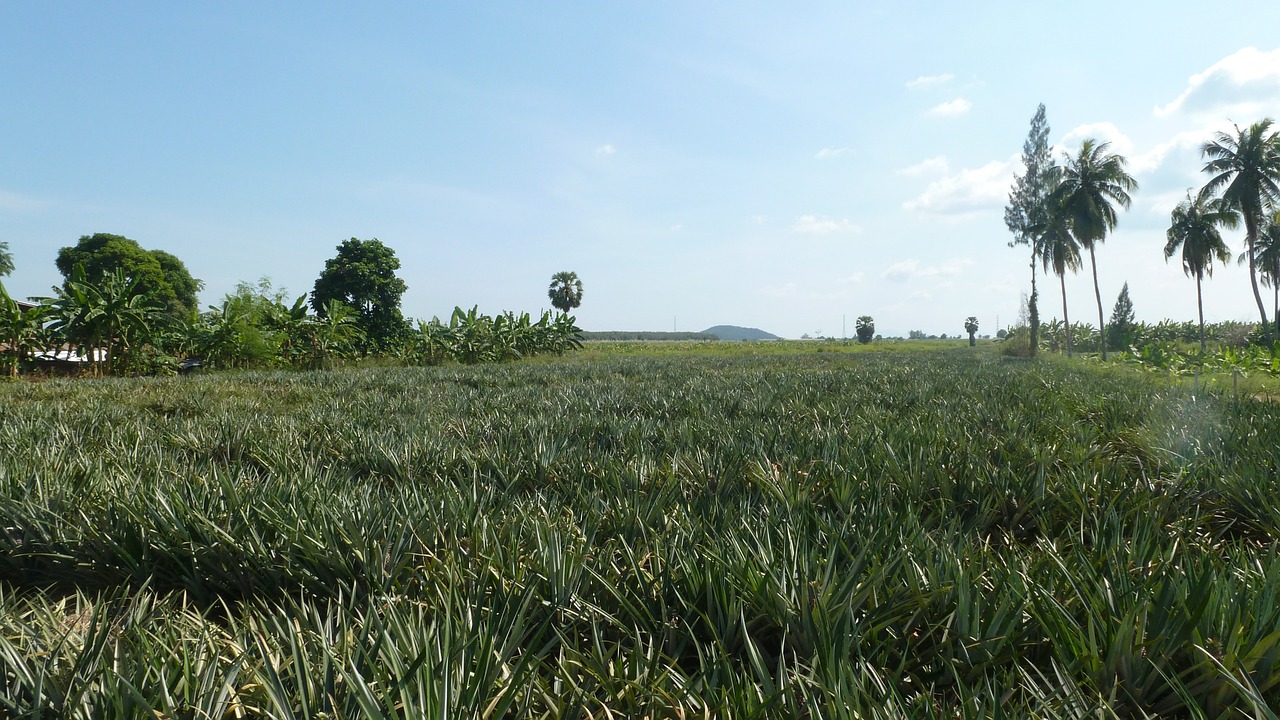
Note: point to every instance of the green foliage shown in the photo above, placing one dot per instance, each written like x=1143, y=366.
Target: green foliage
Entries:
x=472, y=337
x=155, y=273
x=565, y=291
x=362, y=276
x=865, y=328
x=105, y=319
x=21, y=331
x=641, y=537
x=6, y=259
x=1122, y=332
x=1028, y=209
x=1245, y=175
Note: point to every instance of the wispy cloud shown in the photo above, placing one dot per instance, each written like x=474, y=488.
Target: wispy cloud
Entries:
x=910, y=269
x=933, y=166
x=606, y=150
x=959, y=106
x=822, y=225
x=756, y=219
x=854, y=278
x=19, y=203
x=925, y=81
x=828, y=153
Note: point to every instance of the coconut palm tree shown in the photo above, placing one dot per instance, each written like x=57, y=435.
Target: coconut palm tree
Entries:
x=1246, y=174
x=6, y=259
x=1266, y=256
x=1060, y=252
x=565, y=291
x=1088, y=185
x=1193, y=226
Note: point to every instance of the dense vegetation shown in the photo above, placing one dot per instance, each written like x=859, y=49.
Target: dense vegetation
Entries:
x=924, y=534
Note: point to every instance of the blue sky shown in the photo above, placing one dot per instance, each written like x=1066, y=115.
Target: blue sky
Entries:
x=781, y=166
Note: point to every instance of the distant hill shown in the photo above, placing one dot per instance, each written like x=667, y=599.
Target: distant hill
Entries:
x=733, y=332
x=644, y=335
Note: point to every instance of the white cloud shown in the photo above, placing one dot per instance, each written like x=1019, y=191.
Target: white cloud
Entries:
x=969, y=192
x=677, y=227
x=828, y=153
x=606, y=150
x=911, y=269
x=854, y=278
x=933, y=166
x=959, y=106
x=1101, y=132
x=1245, y=84
x=756, y=219
x=925, y=81
x=822, y=225
x=903, y=270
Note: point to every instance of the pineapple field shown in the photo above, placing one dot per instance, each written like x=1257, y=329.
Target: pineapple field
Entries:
x=935, y=534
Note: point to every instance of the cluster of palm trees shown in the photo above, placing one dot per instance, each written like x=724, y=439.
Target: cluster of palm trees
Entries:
x=1243, y=188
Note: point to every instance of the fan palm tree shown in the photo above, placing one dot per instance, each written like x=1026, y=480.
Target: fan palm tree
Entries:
x=1246, y=175
x=1060, y=251
x=1088, y=185
x=565, y=291
x=1193, y=226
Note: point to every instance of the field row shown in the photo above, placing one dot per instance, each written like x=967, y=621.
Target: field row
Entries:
x=927, y=535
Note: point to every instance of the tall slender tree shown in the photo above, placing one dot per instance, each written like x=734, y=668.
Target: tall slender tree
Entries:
x=1245, y=171
x=1088, y=185
x=1028, y=205
x=1193, y=227
x=1266, y=256
x=1060, y=252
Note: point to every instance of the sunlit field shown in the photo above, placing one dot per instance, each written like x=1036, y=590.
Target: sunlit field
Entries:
x=647, y=533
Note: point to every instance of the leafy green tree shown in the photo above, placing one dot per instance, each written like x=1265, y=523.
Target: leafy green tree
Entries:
x=565, y=291
x=6, y=259
x=363, y=277
x=1028, y=204
x=971, y=327
x=1060, y=253
x=865, y=327
x=1193, y=227
x=1245, y=172
x=158, y=274
x=1088, y=185
x=1267, y=250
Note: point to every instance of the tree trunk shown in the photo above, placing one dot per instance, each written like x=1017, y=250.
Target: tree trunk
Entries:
x=1066, y=321
x=1032, y=310
x=1200, y=305
x=1102, y=326
x=972, y=342
x=1251, y=234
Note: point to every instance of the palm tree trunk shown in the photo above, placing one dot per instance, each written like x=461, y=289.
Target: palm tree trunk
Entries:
x=1102, y=328
x=1251, y=234
x=1066, y=321
x=1200, y=305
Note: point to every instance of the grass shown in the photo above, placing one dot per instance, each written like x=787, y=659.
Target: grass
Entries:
x=837, y=534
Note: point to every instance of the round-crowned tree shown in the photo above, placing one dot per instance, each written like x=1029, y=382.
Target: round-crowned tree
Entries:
x=565, y=291
x=156, y=273
x=363, y=277
x=865, y=327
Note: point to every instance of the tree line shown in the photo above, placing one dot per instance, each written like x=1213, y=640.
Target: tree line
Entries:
x=123, y=309
x=1061, y=211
